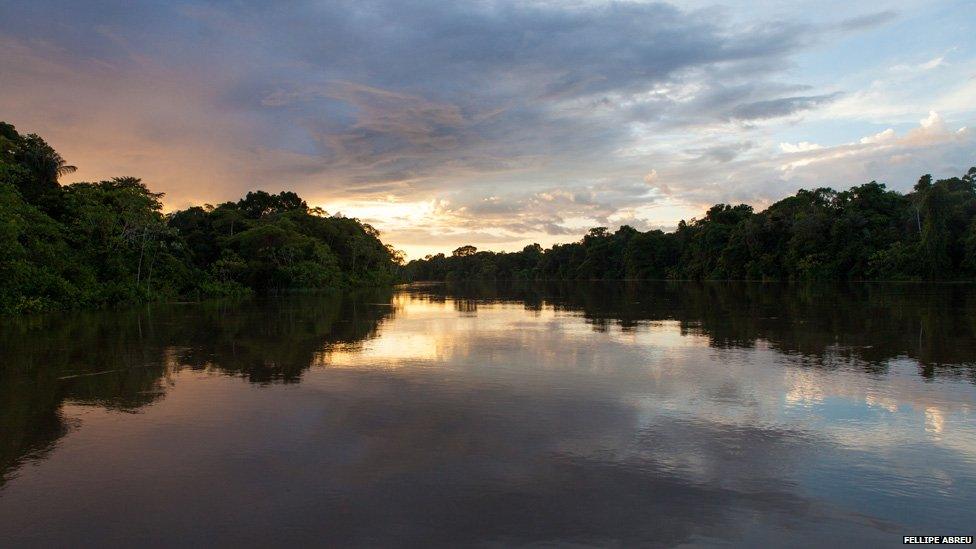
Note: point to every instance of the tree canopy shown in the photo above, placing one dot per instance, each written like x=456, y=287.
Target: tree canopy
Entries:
x=105, y=242
x=865, y=233
x=98, y=243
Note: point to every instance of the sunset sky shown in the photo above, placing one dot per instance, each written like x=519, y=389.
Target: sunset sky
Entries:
x=496, y=123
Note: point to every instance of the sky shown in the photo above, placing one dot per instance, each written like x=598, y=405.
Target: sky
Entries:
x=496, y=123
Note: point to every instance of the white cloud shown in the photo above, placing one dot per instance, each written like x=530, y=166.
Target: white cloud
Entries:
x=933, y=63
x=931, y=131
x=802, y=146
x=879, y=137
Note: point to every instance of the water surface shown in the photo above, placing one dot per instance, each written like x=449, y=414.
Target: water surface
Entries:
x=659, y=414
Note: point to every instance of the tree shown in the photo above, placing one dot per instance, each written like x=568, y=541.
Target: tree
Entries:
x=258, y=204
x=105, y=242
x=865, y=232
x=30, y=164
x=44, y=162
x=935, y=233
x=464, y=251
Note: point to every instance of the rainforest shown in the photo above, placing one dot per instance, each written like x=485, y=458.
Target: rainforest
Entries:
x=867, y=232
x=109, y=242
x=101, y=243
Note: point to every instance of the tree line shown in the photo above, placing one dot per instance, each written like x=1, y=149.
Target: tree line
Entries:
x=865, y=233
x=109, y=242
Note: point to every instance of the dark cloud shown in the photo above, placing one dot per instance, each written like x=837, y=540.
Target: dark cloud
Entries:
x=722, y=153
x=867, y=21
x=784, y=106
x=384, y=90
x=524, y=116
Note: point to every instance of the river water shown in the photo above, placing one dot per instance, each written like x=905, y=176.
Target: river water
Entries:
x=624, y=414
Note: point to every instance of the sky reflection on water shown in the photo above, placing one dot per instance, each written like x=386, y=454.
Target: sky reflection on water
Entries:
x=656, y=414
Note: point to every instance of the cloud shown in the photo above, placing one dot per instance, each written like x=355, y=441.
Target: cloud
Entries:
x=867, y=21
x=784, y=106
x=725, y=152
x=524, y=119
x=887, y=156
x=378, y=92
x=802, y=146
x=885, y=135
x=933, y=63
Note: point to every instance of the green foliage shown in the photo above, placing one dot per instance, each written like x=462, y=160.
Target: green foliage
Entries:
x=90, y=244
x=35, y=262
x=866, y=232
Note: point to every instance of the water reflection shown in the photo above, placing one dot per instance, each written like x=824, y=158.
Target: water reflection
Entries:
x=123, y=360
x=650, y=414
x=827, y=323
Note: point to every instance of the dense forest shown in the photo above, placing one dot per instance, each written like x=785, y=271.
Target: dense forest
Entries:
x=865, y=233
x=107, y=242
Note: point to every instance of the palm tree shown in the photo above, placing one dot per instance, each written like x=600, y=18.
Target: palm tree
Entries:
x=44, y=162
